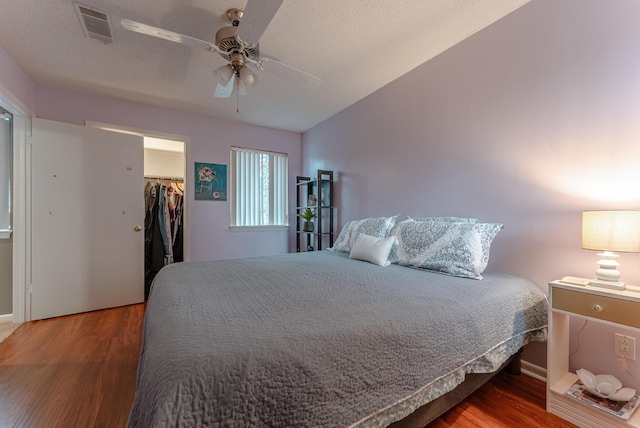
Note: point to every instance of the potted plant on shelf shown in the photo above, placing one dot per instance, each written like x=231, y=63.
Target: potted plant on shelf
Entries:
x=308, y=215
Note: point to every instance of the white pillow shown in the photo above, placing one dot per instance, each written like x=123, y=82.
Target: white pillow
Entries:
x=372, y=249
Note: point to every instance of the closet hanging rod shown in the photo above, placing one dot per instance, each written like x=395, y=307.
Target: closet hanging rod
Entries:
x=156, y=177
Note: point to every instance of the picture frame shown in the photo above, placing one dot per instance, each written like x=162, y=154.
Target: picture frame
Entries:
x=210, y=181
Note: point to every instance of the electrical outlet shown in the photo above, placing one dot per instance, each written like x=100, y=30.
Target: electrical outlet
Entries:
x=625, y=346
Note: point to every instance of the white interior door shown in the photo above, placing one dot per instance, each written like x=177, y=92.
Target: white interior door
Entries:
x=86, y=206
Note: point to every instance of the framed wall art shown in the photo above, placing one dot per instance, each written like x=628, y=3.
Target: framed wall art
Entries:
x=210, y=181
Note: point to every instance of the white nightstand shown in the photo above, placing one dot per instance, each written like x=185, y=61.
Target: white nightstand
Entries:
x=602, y=305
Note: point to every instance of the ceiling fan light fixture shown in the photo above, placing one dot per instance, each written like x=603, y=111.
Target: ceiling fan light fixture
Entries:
x=223, y=74
x=247, y=77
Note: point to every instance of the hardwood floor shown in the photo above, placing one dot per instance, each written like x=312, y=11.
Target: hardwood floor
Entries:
x=505, y=401
x=73, y=371
x=80, y=370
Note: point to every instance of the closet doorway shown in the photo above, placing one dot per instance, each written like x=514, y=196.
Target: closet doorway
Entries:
x=164, y=196
x=165, y=163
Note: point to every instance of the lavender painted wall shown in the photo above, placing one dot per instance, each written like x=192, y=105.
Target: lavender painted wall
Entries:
x=527, y=123
x=15, y=81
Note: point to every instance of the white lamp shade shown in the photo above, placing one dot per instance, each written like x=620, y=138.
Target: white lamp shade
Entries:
x=223, y=74
x=247, y=76
x=611, y=231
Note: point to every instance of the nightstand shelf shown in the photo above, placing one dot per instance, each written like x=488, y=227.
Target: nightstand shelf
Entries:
x=618, y=308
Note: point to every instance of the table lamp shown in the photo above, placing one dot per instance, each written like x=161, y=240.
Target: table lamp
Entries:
x=610, y=231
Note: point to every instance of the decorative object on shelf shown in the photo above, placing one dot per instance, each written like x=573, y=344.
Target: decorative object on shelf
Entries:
x=610, y=231
x=621, y=409
x=308, y=215
x=312, y=201
x=325, y=193
x=210, y=182
x=605, y=386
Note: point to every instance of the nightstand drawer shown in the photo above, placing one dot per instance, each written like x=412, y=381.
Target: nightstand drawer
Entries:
x=601, y=307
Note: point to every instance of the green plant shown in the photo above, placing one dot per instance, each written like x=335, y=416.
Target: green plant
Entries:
x=307, y=214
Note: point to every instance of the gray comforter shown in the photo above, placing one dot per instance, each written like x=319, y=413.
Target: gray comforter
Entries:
x=319, y=340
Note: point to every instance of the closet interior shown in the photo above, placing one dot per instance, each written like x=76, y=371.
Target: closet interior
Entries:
x=163, y=225
x=164, y=207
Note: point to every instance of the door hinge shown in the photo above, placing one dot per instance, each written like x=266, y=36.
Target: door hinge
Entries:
x=30, y=288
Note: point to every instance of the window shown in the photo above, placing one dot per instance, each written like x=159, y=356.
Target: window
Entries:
x=259, y=182
x=5, y=173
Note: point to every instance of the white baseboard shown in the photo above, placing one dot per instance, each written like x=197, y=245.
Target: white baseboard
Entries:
x=6, y=318
x=534, y=371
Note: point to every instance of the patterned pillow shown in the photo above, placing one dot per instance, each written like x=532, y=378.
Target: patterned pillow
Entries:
x=458, y=249
x=447, y=219
x=378, y=227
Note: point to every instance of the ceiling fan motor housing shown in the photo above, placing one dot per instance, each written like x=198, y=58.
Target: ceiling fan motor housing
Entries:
x=226, y=40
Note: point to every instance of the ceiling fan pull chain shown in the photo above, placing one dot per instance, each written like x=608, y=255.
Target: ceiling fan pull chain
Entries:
x=237, y=95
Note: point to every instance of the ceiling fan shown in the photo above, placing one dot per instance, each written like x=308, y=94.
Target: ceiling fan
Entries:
x=237, y=43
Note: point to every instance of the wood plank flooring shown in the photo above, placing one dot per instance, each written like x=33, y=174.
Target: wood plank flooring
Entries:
x=80, y=370
x=73, y=371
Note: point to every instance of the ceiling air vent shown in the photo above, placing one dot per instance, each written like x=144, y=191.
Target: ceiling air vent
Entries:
x=95, y=23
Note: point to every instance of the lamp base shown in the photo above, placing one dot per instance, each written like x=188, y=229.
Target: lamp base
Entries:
x=612, y=285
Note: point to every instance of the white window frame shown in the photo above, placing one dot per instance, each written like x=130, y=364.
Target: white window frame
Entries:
x=244, y=176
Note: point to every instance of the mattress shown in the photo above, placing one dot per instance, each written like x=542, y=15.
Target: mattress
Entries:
x=318, y=339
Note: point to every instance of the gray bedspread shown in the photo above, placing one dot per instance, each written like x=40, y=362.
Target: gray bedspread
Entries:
x=319, y=340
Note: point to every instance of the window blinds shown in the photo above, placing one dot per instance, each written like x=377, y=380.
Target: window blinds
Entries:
x=259, y=187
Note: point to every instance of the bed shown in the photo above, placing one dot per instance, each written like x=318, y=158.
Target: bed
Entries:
x=320, y=339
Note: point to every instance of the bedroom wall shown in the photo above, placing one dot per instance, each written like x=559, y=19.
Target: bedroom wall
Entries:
x=14, y=81
x=528, y=123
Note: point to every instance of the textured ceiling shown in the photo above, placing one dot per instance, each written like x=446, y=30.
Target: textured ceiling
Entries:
x=354, y=46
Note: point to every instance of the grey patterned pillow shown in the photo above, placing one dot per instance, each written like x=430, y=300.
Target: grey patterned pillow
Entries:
x=377, y=227
x=447, y=219
x=459, y=249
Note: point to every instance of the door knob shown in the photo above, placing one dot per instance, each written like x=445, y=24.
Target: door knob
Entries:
x=137, y=228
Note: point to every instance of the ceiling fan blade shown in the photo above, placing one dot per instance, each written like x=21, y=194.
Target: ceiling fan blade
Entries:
x=257, y=16
x=224, y=91
x=149, y=30
x=287, y=72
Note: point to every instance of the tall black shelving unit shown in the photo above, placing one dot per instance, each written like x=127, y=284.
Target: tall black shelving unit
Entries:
x=316, y=194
